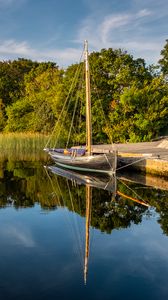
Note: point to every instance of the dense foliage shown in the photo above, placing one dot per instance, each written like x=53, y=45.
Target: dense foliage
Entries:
x=129, y=99
x=164, y=60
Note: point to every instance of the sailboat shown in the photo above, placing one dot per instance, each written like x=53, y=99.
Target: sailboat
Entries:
x=83, y=159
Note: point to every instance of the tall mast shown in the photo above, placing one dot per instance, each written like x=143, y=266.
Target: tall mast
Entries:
x=88, y=102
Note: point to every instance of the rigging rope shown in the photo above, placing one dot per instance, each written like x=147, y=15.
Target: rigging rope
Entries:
x=70, y=130
x=73, y=84
x=132, y=190
x=74, y=112
x=66, y=111
x=53, y=186
x=74, y=229
x=130, y=164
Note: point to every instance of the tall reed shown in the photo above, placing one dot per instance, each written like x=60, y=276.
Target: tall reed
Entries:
x=22, y=146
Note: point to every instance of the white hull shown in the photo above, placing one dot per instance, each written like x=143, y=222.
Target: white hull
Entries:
x=101, y=163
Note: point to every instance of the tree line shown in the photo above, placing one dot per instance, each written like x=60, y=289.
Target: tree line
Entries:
x=132, y=96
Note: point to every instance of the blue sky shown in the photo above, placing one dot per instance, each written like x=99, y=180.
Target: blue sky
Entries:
x=54, y=30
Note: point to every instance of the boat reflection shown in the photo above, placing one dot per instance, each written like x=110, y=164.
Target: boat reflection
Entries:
x=100, y=181
x=94, y=180
x=105, y=182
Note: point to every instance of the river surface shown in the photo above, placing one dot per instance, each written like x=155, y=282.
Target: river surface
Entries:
x=67, y=237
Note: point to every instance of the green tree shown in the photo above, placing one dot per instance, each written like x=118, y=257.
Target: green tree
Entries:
x=112, y=71
x=11, y=78
x=19, y=115
x=39, y=108
x=129, y=99
x=164, y=60
x=140, y=114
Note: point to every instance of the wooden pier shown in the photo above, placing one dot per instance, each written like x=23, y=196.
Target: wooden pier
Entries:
x=149, y=157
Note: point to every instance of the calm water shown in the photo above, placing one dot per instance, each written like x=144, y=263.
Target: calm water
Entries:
x=43, y=235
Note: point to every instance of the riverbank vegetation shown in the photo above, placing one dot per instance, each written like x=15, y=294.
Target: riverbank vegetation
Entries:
x=22, y=146
x=134, y=97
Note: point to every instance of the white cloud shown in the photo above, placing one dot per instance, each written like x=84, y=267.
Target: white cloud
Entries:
x=111, y=23
x=65, y=56
x=14, y=49
x=129, y=31
x=148, y=46
x=144, y=13
x=17, y=235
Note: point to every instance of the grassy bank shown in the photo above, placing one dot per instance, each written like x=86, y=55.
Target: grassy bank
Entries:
x=22, y=146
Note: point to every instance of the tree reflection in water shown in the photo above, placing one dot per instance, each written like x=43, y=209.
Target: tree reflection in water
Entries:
x=23, y=184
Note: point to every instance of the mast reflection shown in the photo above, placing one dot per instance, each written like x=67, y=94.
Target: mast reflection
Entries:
x=107, y=183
